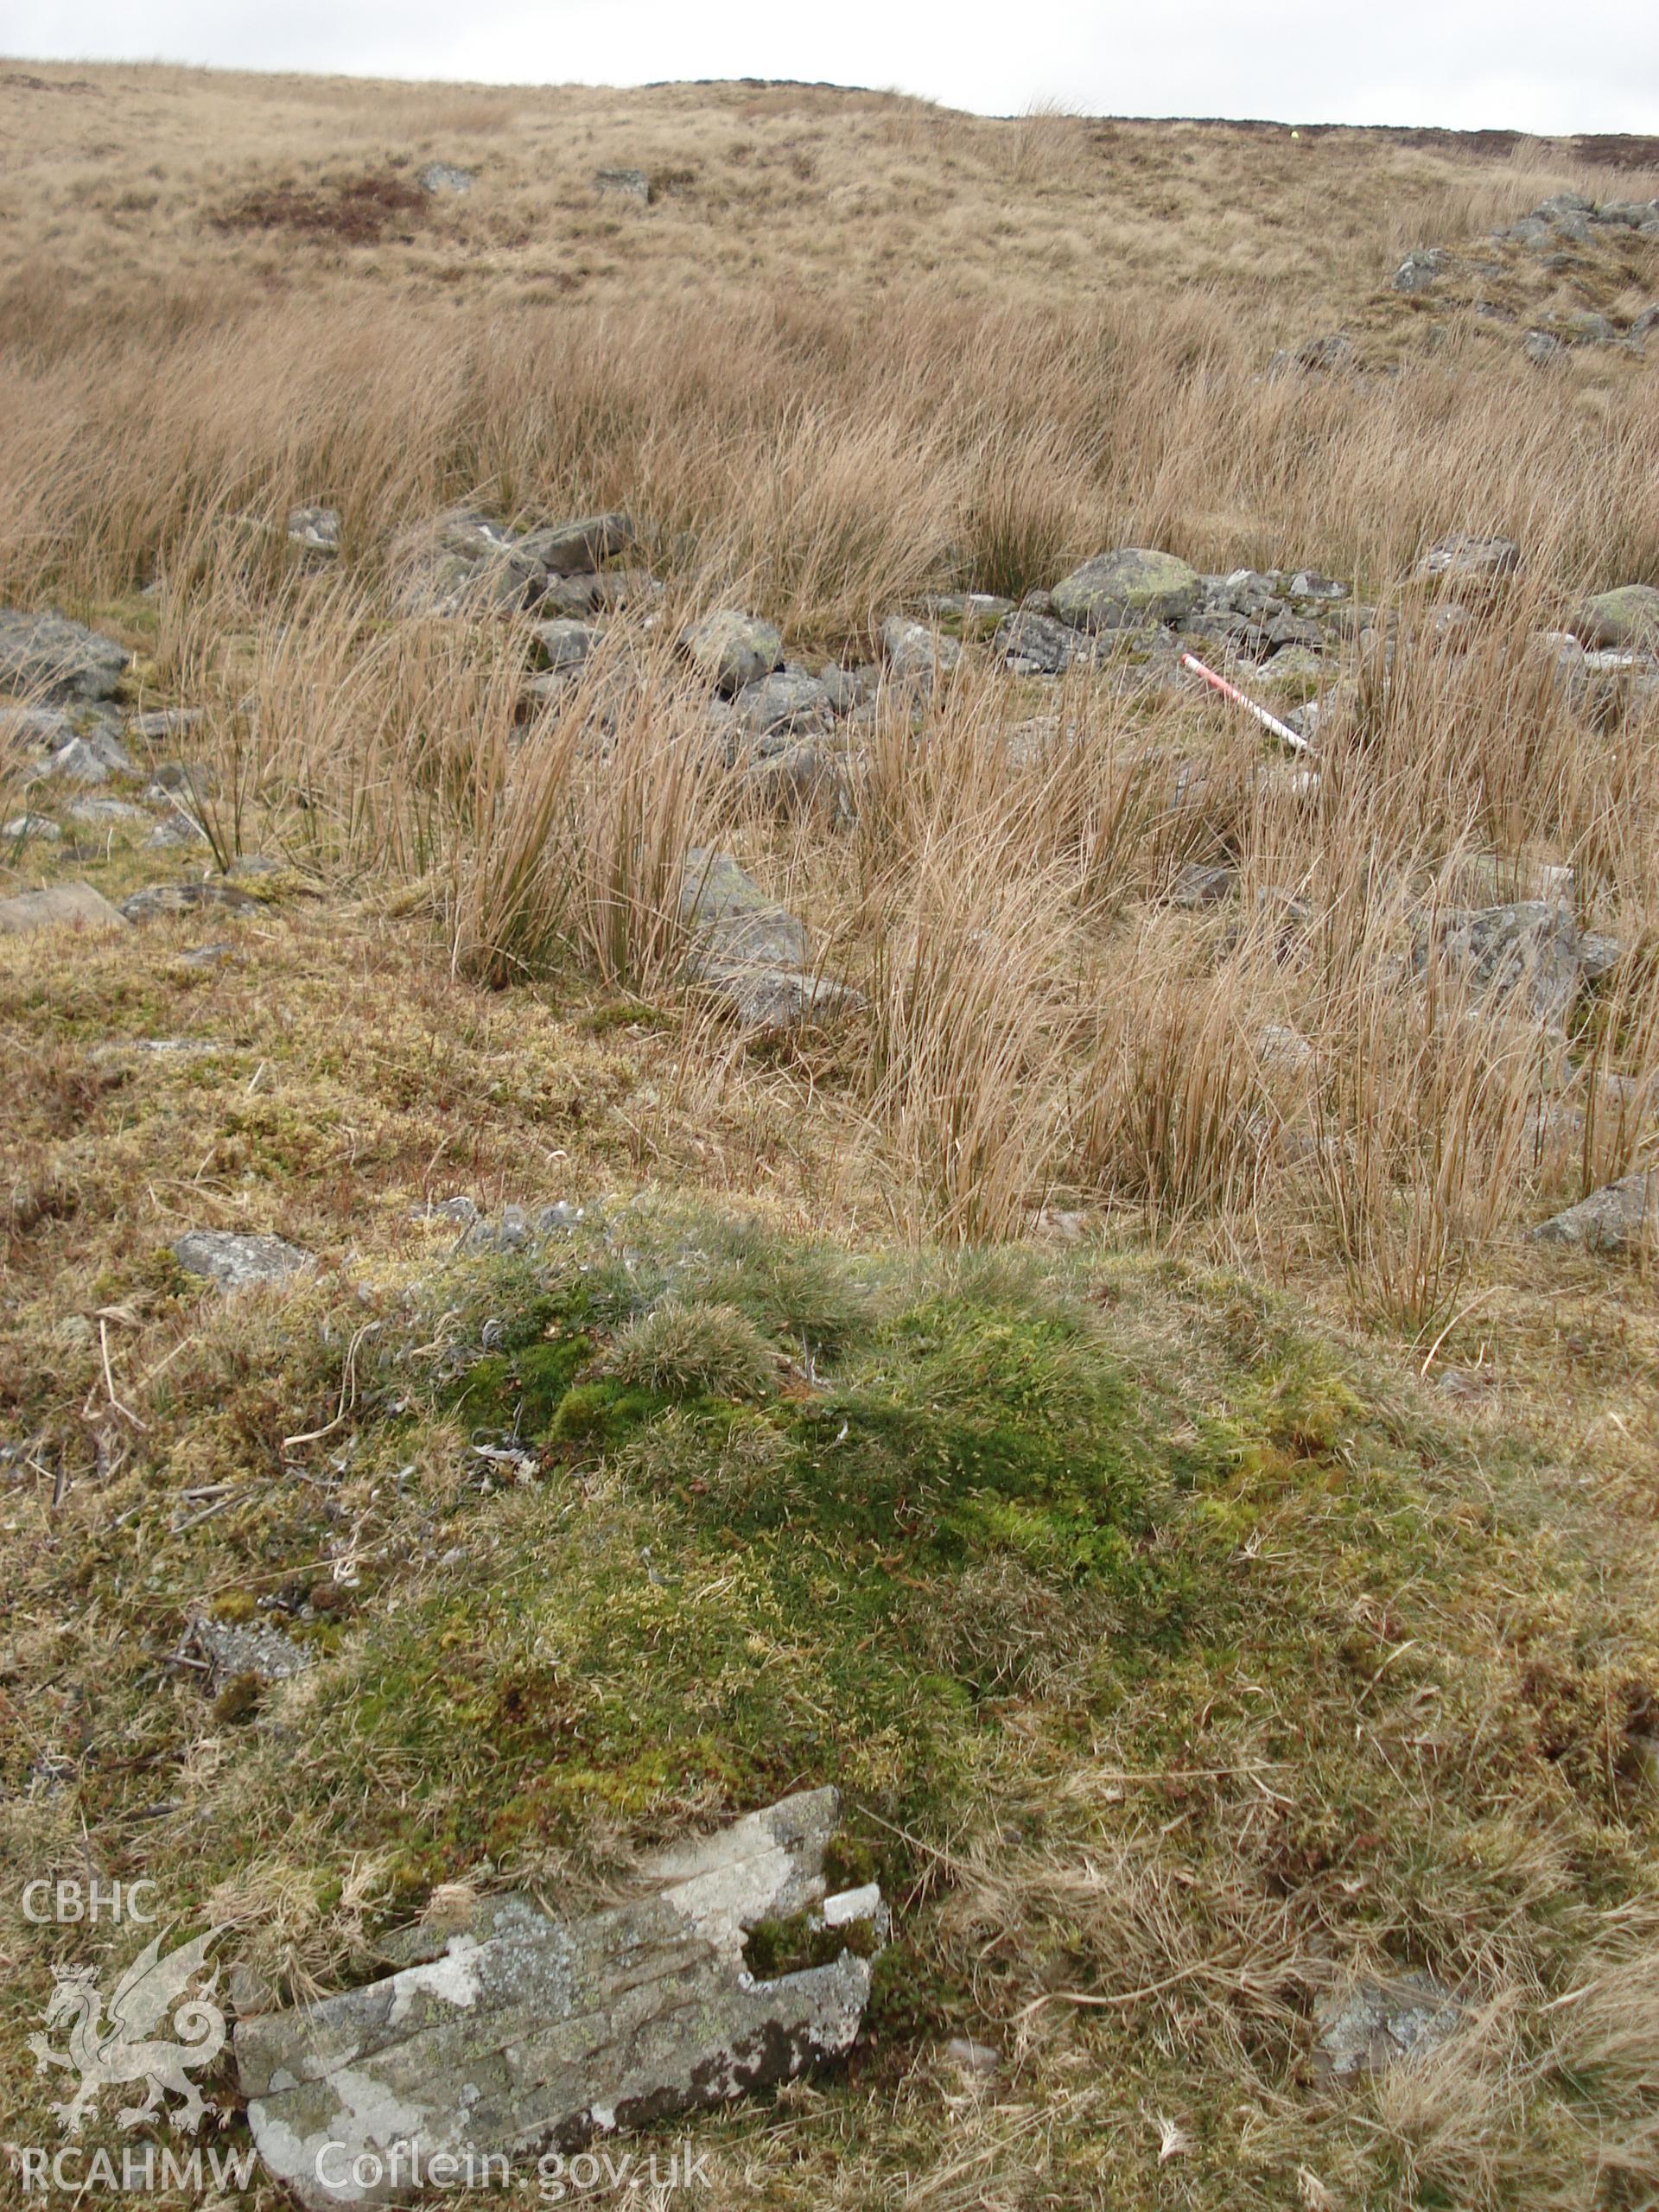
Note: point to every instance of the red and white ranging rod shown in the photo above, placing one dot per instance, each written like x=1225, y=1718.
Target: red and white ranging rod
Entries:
x=1297, y=742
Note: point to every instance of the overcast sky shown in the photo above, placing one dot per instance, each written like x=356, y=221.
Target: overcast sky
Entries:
x=1531, y=65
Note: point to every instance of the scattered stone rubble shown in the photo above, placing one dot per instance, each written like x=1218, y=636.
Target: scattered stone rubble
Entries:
x=522, y=2030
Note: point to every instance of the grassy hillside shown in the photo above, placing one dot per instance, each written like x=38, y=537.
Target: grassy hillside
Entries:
x=1098, y=1400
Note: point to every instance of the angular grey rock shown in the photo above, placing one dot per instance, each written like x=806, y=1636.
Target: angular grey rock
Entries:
x=58, y=659
x=975, y=613
x=63, y=905
x=42, y=728
x=574, y=549
x=1421, y=270
x=1131, y=586
x=1527, y=952
x=1620, y=1217
x=784, y=701
x=566, y=643
x=1200, y=883
x=441, y=177
x=231, y=1648
x=1314, y=357
x=92, y=759
x=732, y=648
x=40, y=827
x=232, y=1261
x=1463, y=558
x=802, y=777
x=1541, y=346
x=521, y=2030
x=914, y=653
x=316, y=529
x=106, y=810
x=1377, y=2023
x=630, y=184
x=846, y=688
x=1034, y=644
x=749, y=951
x=1626, y=619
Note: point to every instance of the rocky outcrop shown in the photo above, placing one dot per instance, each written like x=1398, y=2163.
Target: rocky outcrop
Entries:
x=1626, y=619
x=58, y=659
x=522, y=2030
x=732, y=648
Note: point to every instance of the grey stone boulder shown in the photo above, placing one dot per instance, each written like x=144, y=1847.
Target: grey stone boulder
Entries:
x=565, y=643
x=232, y=1261
x=1527, y=953
x=92, y=757
x=801, y=776
x=1375, y=2024
x=1543, y=347
x=571, y=549
x=748, y=951
x=1625, y=618
x=915, y=654
x=440, y=178
x=314, y=530
x=625, y=184
x=57, y=658
x=790, y=700
x=1324, y=356
x=520, y=2030
x=22, y=827
x=1619, y=1218
x=1034, y=644
x=1127, y=589
x=732, y=648
x=228, y=1648
x=1463, y=558
x=1421, y=270
x=846, y=688
x=35, y=728
x=62, y=906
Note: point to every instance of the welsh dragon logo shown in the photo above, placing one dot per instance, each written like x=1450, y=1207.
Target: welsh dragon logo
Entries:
x=110, y=2054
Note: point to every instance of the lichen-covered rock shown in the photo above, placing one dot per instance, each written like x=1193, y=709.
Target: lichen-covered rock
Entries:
x=1376, y=2024
x=787, y=701
x=572, y=548
x=62, y=906
x=316, y=530
x=516, y=2030
x=57, y=658
x=732, y=648
x=915, y=654
x=626, y=184
x=1528, y=952
x=1464, y=558
x=230, y=1648
x=1620, y=1217
x=1127, y=587
x=441, y=177
x=1420, y=269
x=1034, y=644
x=233, y=1261
x=1627, y=618
x=566, y=643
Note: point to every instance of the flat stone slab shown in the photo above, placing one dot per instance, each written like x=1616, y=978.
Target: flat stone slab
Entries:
x=233, y=1261
x=1374, y=2024
x=523, y=2029
x=751, y=952
x=62, y=906
x=233, y=1648
x=185, y=898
